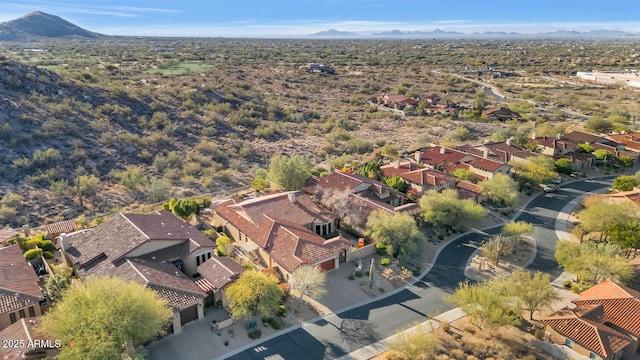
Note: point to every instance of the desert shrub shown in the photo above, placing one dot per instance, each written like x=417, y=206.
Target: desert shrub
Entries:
x=47, y=254
x=471, y=329
x=33, y=254
x=209, y=233
x=539, y=334
x=566, y=284
x=381, y=248
x=254, y=333
x=575, y=288
x=359, y=274
x=351, y=277
x=445, y=326
x=282, y=310
x=385, y=261
x=457, y=354
x=275, y=323
x=46, y=245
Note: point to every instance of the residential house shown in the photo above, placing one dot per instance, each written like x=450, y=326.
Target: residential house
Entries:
x=630, y=141
x=217, y=274
x=440, y=157
x=631, y=197
x=503, y=152
x=448, y=160
x=469, y=190
x=20, y=292
x=283, y=231
x=397, y=102
x=420, y=178
x=564, y=148
x=157, y=250
x=32, y=343
x=488, y=168
x=62, y=227
x=604, y=324
x=358, y=196
x=7, y=233
x=581, y=137
x=500, y=113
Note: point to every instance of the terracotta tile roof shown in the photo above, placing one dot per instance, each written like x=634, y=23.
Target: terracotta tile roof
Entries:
x=576, y=156
x=469, y=186
x=554, y=143
x=485, y=164
x=631, y=141
x=6, y=234
x=632, y=196
x=395, y=98
x=58, y=228
x=583, y=325
x=126, y=232
x=417, y=174
x=434, y=156
x=219, y=272
x=289, y=242
x=581, y=137
x=19, y=286
x=621, y=304
x=23, y=329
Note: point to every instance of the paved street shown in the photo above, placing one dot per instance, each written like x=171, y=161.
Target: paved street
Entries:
x=339, y=334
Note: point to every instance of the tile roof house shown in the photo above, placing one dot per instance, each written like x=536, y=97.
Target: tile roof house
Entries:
x=566, y=148
x=469, y=190
x=440, y=157
x=283, y=230
x=631, y=196
x=21, y=333
x=20, y=293
x=360, y=196
x=630, y=141
x=604, y=323
x=420, y=177
x=581, y=137
x=502, y=152
x=500, y=113
x=157, y=250
x=398, y=102
x=216, y=274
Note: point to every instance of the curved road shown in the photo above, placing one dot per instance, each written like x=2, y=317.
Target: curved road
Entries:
x=339, y=334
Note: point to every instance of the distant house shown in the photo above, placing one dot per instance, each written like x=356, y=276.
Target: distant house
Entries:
x=20, y=292
x=448, y=160
x=500, y=114
x=320, y=68
x=156, y=250
x=603, y=325
x=632, y=197
x=469, y=190
x=631, y=141
x=553, y=146
x=566, y=148
x=283, y=231
x=21, y=332
x=398, y=102
x=63, y=227
x=419, y=177
x=440, y=157
x=502, y=152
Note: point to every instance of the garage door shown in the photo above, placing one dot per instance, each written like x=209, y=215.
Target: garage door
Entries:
x=328, y=265
x=189, y=314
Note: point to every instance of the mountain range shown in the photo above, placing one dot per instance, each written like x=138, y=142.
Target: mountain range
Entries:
x=39, y=25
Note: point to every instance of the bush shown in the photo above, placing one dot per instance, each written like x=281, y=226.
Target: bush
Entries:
x=275, y=323
x=47, y=254
x=33, y=254
x=282, y=310
x=566, y=284
x=254, y=333
x=539, y=334
x=266, y=320
x=445, y=326
x=416, y=272
x=359, y=274
x=46, y=245
x=381, y=248
x=351, y=277
x=575, y=288
x=385, y=261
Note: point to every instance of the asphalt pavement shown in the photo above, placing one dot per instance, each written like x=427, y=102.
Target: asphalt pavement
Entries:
x=339, y=334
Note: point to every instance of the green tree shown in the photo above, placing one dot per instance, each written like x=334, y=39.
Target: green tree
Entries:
x=533, y=291
x=625, y=183
x=598, y=124
x=536, y=170
x=592, y=262
x=288, y=173
x=58, y=282
x=398, y=233
x=626, y=161
x=397, y=183
x=309, y=280
x=370, y=169
x=85, y=185
x=95, y=322
x=12, y=200
x=517, y=229
x=413, y=343
x=487, y=307
x=260, y=182
x=183, y=208
x=564, y=166
x=501, y=188
x=444, y=209
x=585, y=148
x=223, y=243
x=254, y=294
x=465, y=175
x=479, y=102
x=602, y=155
x=159, y=190
x=60, y=187
x=625, y=233
x=131, y=177
x=599, y=216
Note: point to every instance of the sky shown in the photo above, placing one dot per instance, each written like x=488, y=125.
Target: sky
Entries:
x=294, y=18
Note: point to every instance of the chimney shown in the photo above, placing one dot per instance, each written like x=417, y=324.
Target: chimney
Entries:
x=558, y=136
x=485, y=153
x=508, y=141
x=442, y=150
x=63, y=242
x=418, y=155
x=27, y=230
x=292, y=196
x=397, y=164
x=533, y=135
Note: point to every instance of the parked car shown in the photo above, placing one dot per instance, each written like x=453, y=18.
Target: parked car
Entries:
x=557, y=180
x=549, y=188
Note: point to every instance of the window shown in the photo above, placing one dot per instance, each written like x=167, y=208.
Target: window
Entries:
x=594, y=356
x=197, y=260
x=12, y=317
x=569, y=343
x=32, y=312
x=208, y=255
